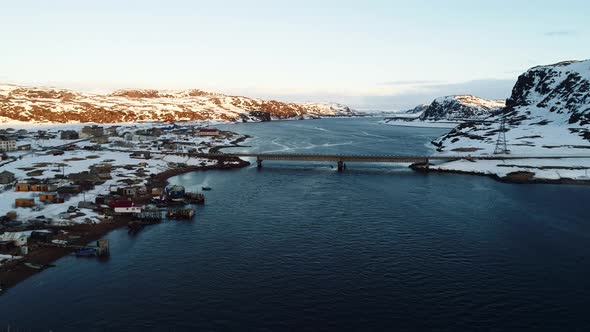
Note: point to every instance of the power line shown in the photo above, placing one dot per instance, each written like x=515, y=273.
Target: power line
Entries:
x=501, y=145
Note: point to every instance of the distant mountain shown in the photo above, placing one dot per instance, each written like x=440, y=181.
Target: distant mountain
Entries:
x=447, y=111
x=549, y=110
x=462, y=107
x=417, y=110
x=49, y=105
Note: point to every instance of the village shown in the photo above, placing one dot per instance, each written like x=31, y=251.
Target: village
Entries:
x=61, y=188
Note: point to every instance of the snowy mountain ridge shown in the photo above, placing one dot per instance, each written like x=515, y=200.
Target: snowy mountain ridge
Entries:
x=52, y=105
x=459, y=107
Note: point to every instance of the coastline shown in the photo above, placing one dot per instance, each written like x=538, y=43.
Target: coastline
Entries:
x=14, y=272
x=513, y=178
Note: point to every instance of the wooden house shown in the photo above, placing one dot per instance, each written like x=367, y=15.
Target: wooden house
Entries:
x=48, y=197
x=22, y=187
x=24, y=202
x=39, y=187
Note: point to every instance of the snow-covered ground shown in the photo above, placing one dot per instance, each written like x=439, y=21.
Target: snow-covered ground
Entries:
x=544, y=169
x=547, y=114
x=39, y=164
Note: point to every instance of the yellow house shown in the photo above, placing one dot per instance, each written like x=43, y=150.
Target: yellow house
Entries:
x=48, y=197
x=22, y=187
x=24, y=202
x=39, y=187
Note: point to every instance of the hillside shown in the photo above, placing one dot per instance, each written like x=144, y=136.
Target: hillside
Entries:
x=50, y=105
x=447, y=111
x=548, y=112
x=457, y=108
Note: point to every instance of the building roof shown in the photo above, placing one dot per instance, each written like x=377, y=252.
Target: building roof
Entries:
x=11, y=236
x=123, y=204
x=6, y=138
x=6, y=173
x=208, y=130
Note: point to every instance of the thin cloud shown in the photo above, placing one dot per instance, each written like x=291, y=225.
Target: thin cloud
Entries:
x=411, y=82
x=559, y=33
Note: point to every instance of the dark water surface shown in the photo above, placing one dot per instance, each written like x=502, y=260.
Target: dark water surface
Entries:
x=297, y=246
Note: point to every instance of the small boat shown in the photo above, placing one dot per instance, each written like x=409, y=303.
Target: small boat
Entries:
x=33, y=266
x=193, y=198
x=86, y=252
x=180, y=214
x=205, y=188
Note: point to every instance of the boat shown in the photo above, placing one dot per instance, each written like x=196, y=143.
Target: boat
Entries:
x=205, y=188
x=86, y=252
x=33, y=266
x=180, y=214
x=193, y=198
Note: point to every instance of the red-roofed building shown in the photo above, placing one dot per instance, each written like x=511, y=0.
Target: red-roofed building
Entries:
x=208, y=132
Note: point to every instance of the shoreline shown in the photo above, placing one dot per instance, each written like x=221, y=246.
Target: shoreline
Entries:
x=14, y=272
x=513, y=178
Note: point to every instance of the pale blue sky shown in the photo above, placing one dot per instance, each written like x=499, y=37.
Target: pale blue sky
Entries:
x=374, y=54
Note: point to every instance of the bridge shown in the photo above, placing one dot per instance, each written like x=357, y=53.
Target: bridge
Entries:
x=341, y=159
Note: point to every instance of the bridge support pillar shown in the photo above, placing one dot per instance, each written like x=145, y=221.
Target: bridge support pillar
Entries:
x=341, y=166
x=259, y=162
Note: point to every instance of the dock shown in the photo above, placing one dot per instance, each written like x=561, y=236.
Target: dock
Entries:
x=180, y=214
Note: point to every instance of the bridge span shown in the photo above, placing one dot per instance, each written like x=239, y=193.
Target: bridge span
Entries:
x=341, y=159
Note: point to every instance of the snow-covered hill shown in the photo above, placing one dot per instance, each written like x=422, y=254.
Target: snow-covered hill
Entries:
x=547, y=115
x=548, y=112
x=457, y=108
x=447, y=112
x=50, y=105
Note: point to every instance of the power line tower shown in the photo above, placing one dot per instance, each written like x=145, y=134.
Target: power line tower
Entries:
x=501, y=146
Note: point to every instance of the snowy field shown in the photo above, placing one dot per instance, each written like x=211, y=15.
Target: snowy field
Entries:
x=544, y=169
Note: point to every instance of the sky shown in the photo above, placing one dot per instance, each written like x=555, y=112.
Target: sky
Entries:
x=368, y=54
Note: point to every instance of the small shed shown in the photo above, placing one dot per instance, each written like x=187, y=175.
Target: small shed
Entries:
x=129, y=191
x=17, y=238
x=7, y=177
x=42, y=236
x=69, y=134
x=48, y=197
x=11, y=215
x=100, y=139
x=208, y=132
x=69, y=189
x=140, y=155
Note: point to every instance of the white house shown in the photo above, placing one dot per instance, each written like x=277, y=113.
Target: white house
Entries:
x=7, y=143
x=18, y=238
x=126, y=207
